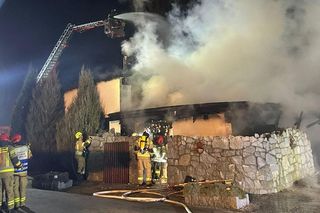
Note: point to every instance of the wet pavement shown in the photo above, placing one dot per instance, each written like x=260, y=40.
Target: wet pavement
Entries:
x=303, y=197
x=41, y=201
x=50, y=202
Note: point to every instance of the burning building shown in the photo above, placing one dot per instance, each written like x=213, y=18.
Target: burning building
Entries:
x=239, y=141
x=206, y=119
x=223, y=55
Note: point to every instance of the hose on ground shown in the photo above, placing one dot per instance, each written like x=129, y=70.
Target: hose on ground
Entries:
x=126, y=196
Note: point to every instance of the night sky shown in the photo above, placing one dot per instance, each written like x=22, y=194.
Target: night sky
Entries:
x=29, y=31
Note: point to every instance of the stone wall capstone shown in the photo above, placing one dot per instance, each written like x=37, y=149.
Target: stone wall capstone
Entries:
x=258, y=164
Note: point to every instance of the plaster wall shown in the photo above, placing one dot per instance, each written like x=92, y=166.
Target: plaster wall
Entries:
x=214, y=125
x=109, y=93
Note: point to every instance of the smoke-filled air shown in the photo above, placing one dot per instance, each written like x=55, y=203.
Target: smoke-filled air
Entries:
x=225, y=50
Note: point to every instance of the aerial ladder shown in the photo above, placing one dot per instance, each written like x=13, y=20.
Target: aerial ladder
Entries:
x=114, y=28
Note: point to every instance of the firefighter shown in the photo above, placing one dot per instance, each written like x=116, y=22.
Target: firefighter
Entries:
x=9, y=160
x=20, y=179
x=81, y=153
x=160, y=159
x=142, y=149
x=155, y=164
x=164, y=164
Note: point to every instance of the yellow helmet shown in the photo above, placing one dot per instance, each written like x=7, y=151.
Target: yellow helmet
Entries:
x=78, y=135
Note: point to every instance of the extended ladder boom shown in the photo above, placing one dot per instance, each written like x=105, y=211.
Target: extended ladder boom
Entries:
x=112, y=31
x=49, y=65
x=83, y=27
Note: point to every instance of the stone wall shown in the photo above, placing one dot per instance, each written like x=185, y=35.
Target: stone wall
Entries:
x=215, y=195
x=259, y=164
x=96, y=158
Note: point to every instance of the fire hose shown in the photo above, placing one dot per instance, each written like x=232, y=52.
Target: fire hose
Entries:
x=126, y=194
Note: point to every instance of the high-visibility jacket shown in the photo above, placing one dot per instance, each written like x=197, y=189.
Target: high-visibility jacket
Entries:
x=8, y=159
x=159, y=154
x=81, y=146
x=23, y=153
x=144, y=146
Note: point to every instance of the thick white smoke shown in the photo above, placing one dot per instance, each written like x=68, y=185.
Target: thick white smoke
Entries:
x=225, y=50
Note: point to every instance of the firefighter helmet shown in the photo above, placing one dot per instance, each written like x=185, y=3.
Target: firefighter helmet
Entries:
x=78, y=135
x=4, y=137
x=160, y=140
x=16, y=138
x=145, y=134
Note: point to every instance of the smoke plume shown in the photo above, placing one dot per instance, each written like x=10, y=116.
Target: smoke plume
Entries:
x=138, y=5
x=260, y=51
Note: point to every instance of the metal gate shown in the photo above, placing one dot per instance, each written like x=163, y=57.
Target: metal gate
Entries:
x=116, y=162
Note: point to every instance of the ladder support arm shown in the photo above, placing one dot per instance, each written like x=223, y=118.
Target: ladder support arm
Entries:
x=53, y=58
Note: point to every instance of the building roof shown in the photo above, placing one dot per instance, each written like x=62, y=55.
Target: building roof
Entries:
x=181, y=111
x=246, y=118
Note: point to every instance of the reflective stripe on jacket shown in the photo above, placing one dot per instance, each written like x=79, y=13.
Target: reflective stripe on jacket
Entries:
x=24, y=154
x=8, y=158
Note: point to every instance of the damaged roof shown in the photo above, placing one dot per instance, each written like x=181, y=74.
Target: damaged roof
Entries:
x=246, y=117
x=181, y=111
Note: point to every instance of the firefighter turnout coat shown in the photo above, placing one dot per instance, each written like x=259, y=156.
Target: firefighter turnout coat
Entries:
x=81, y=154
x=142, y=149
x=20, y=179
x=8, y=160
